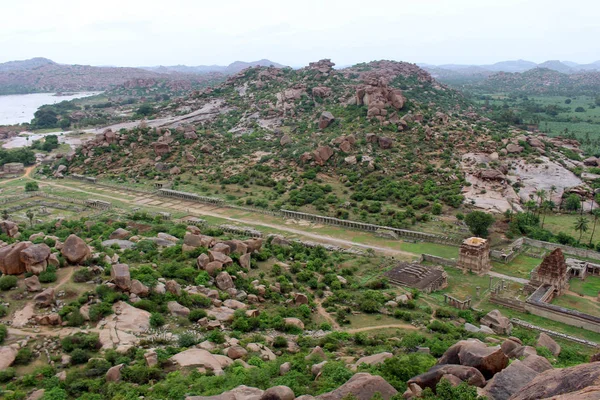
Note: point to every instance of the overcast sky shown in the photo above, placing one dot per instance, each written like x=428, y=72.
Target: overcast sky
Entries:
x=196, y=32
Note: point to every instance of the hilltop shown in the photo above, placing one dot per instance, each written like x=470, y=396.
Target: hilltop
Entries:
x=381, y=142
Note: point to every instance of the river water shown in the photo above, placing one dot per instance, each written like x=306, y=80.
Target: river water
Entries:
x=19, y=108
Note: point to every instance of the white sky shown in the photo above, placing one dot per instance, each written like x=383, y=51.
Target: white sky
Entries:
x=167, y=32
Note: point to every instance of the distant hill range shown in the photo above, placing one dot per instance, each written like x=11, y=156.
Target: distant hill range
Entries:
x=459, y=73
x=43, y=75
x=230, y=69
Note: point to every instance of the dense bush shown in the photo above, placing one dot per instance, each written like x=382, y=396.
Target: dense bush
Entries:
x=8, y=282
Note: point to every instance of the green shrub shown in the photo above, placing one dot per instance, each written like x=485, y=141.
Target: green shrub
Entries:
x=156, y=320
x=196, y=314
x=24, y=356
x=8, y=282
x=7, y=375
x=79, y=356
x=280, y=342
x=3, y=311
x=187, y=339
x=47, y=277
x=3, y=333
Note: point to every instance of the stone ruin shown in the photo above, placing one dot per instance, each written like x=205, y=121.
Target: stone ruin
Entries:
x=474, y=256
x=425, y=278
x=552, y=271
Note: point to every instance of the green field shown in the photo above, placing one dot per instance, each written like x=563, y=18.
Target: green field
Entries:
x=520, y=267
x=589, y=287
x=578, y=303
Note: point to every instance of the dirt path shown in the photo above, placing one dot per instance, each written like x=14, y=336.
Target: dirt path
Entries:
x=26, y=175
x=322, y=312
x=508, y=278
x=594, y=299
x=372, y=328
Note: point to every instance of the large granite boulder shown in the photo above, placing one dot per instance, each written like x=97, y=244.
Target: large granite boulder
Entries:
x=239, y=393
x=325, y=119
x=224, y=281
x=35, y=258
x=200, y=358
x=474, y=353
x=562, y=382
x=508, y=381
x=119, y=274
x=177, y=309
x=10, y=259
x=546, y=341
x=499, y=323
x=361, y=386
x=120, y=233
x=7, y=357
x=33, y=284
x=279, y=392
x=45, y=299
x=9, y=228
x=75, y=250
x=431, y=378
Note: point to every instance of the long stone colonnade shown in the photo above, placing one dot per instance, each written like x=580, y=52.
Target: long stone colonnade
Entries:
x=189, y=196
x=370, y=227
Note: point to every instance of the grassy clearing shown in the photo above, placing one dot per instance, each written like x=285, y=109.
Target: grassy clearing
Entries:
x=566, y=222
x=520, y=267
x=462, y=285
x=589, y=287
x=439, y=250
x=577, y=303
x=369, y=320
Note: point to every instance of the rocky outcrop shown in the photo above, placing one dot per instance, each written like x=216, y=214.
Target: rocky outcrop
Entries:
x=378, y=96
x=361, y=386
x=75, y=250
x=119, y=274
x=325, y=119
x=474, y=353
x=120, y=329
x=45, y=299
x=509, y=381
x=224, y=281
x=431, y=378
x=239, y=393
x=499, y=323
x=10, y=259
x=9, y=228
x=546, y=341
x=7, y=357
x=562, y=382
x=322, y=154
x=35, y=258
x=200, y=358
x=120, y=233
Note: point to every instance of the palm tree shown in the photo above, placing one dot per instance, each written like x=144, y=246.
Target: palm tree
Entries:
x=541, y=195
x=530, y=205
x=547, y=205
x=596, y=214
x=552, y=191
x=30, y=216
x=581, y=225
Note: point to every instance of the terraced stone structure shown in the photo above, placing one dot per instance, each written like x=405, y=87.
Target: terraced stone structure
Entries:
x=474, y=256
x=552, y=271
x=425, y=278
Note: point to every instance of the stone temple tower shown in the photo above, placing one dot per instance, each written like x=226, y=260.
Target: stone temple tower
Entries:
x=474, y=256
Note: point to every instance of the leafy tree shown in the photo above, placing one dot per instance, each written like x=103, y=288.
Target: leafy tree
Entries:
x=145, y=110
x=30, y=215
x=580, y=109
x=479, y=222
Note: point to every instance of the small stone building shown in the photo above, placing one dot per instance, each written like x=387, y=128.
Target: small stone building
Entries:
x=474, y=256
x=552, y=271
x=423, y=277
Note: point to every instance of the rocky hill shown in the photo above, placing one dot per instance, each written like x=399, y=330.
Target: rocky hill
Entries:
x=43, y=75
x=540, y=81
x=381, y=142
x=230, y=69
